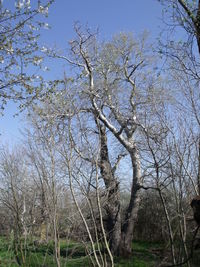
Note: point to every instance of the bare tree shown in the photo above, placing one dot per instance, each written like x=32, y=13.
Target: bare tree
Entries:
x=114, y=88
x=43, y=160
x=16, y=196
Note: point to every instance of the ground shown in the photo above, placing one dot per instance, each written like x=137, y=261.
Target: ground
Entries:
x=145, y=254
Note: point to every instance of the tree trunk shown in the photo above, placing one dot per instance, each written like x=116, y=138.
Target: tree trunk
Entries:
x=43, y=225
x=112, y=207
x=198, y=174
x=198, y=27
x=120, y=236
x=131, y=214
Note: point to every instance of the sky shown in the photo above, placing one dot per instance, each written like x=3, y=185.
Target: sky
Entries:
x=110, y=16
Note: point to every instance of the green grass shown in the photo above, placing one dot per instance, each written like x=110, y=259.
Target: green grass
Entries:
x=142, y=255
x=73, y=255
x=145, y=254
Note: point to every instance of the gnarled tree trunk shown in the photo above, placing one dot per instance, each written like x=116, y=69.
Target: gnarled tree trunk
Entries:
x=112, y=187
x=133, y=207
x=120, y=232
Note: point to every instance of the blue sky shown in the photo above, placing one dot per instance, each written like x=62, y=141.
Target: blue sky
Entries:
x=111, y=16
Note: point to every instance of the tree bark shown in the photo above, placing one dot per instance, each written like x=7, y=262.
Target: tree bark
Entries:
x=195, y=20
x=112, y=207
x=197, y=26
x=198, y=174
x=120, y=233
x=131, y=214
x=43, y=225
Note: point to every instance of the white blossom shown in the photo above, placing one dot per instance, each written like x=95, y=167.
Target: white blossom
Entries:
x=32, y=27
x=46, y=26
x=28, y=3
x=43, y=10
x=1, y=60
x=19, y=4
x=45, y=68
x=37, y=60
x=44, y=49
x=10, y=50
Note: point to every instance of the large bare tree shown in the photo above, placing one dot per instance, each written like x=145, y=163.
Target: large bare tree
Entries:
x=113, y=84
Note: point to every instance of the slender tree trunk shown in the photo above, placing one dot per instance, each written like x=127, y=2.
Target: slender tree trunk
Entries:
x=198, y=26
x=131, y=214
x=198, y=174
x=113, y=203
x=43, y=225
x=169, y=226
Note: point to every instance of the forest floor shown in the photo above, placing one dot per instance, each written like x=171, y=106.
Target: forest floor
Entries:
x=145, y=254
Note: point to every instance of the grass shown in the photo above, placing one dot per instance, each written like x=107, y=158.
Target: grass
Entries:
x=145, y=254
x=72, y=254
x=142, y=255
